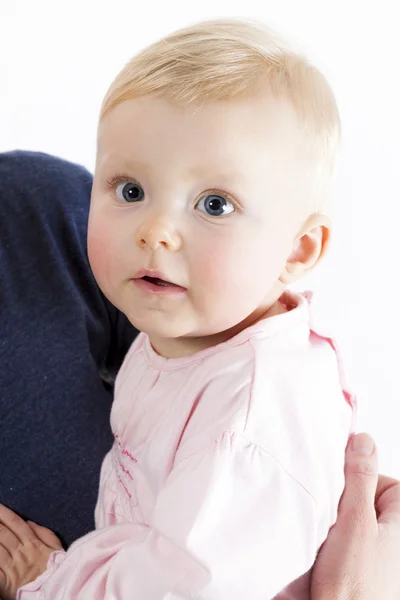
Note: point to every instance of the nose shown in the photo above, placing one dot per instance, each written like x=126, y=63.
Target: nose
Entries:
x=158, y=232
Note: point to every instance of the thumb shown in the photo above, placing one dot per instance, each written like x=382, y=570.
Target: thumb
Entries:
x=361, y=477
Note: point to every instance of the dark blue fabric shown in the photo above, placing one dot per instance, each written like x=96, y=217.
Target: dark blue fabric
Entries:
x=60, y=343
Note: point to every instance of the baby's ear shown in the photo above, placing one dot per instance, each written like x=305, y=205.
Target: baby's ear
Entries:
x=311, y=245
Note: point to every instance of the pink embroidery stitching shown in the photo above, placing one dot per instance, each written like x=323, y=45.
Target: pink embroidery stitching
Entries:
x=125, y=470
x=124, y=451
x=124, y=486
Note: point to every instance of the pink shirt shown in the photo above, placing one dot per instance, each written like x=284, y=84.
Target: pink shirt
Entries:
x=225, y=474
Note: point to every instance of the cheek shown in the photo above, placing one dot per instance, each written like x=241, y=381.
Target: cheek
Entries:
x=237, y=273
x=238, y=265
x=100, y=250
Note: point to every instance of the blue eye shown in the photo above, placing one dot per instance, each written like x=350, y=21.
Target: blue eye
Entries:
x=215, y=206
x=129, y=192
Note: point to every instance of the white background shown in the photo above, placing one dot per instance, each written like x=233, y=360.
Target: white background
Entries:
x=58, y=58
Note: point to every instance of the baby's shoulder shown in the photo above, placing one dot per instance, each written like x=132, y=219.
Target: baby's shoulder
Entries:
x=284, y=397
x=272, y=391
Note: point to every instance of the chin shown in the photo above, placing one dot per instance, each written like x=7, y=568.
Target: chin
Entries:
x=160, y=325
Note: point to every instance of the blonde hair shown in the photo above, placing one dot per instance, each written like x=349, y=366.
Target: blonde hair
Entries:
x=230, y=58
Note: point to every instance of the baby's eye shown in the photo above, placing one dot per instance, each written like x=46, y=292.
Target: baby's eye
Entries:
x=215, y=205
x=129, y=192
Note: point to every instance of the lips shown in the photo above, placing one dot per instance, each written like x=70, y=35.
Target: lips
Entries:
x=157, y=281
x=153, y=276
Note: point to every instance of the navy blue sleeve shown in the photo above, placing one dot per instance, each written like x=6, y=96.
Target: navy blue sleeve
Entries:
x=61, y=344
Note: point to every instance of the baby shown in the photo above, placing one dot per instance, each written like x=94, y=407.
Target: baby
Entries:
x=216, y=147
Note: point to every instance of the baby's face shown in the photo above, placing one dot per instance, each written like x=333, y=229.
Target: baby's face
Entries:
x=207, y=198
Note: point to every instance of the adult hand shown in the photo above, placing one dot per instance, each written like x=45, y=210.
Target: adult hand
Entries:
x=24, y=551
x=360, y=558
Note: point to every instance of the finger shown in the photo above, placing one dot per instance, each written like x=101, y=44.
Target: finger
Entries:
x=5, y=562
x=387, y=501
x=45, y=535
x=385, y=482
x=15, y=524
x=8, y=540
x=5, y=558
x=361, y=476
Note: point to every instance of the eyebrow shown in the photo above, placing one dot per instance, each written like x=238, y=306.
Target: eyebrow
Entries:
x=124, y=162
x=226, y=175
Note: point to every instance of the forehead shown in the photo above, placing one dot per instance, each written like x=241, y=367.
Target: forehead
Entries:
x=234, y=135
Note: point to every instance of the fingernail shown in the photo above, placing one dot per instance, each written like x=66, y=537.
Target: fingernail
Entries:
x=363, y=444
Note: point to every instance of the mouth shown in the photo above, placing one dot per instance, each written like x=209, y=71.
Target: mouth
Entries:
x=158, y=281
x=154, y=283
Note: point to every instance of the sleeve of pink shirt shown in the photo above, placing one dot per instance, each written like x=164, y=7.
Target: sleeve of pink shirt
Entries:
x=229, y=523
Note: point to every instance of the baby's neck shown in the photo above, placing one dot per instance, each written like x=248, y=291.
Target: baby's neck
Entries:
x=185, y=346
